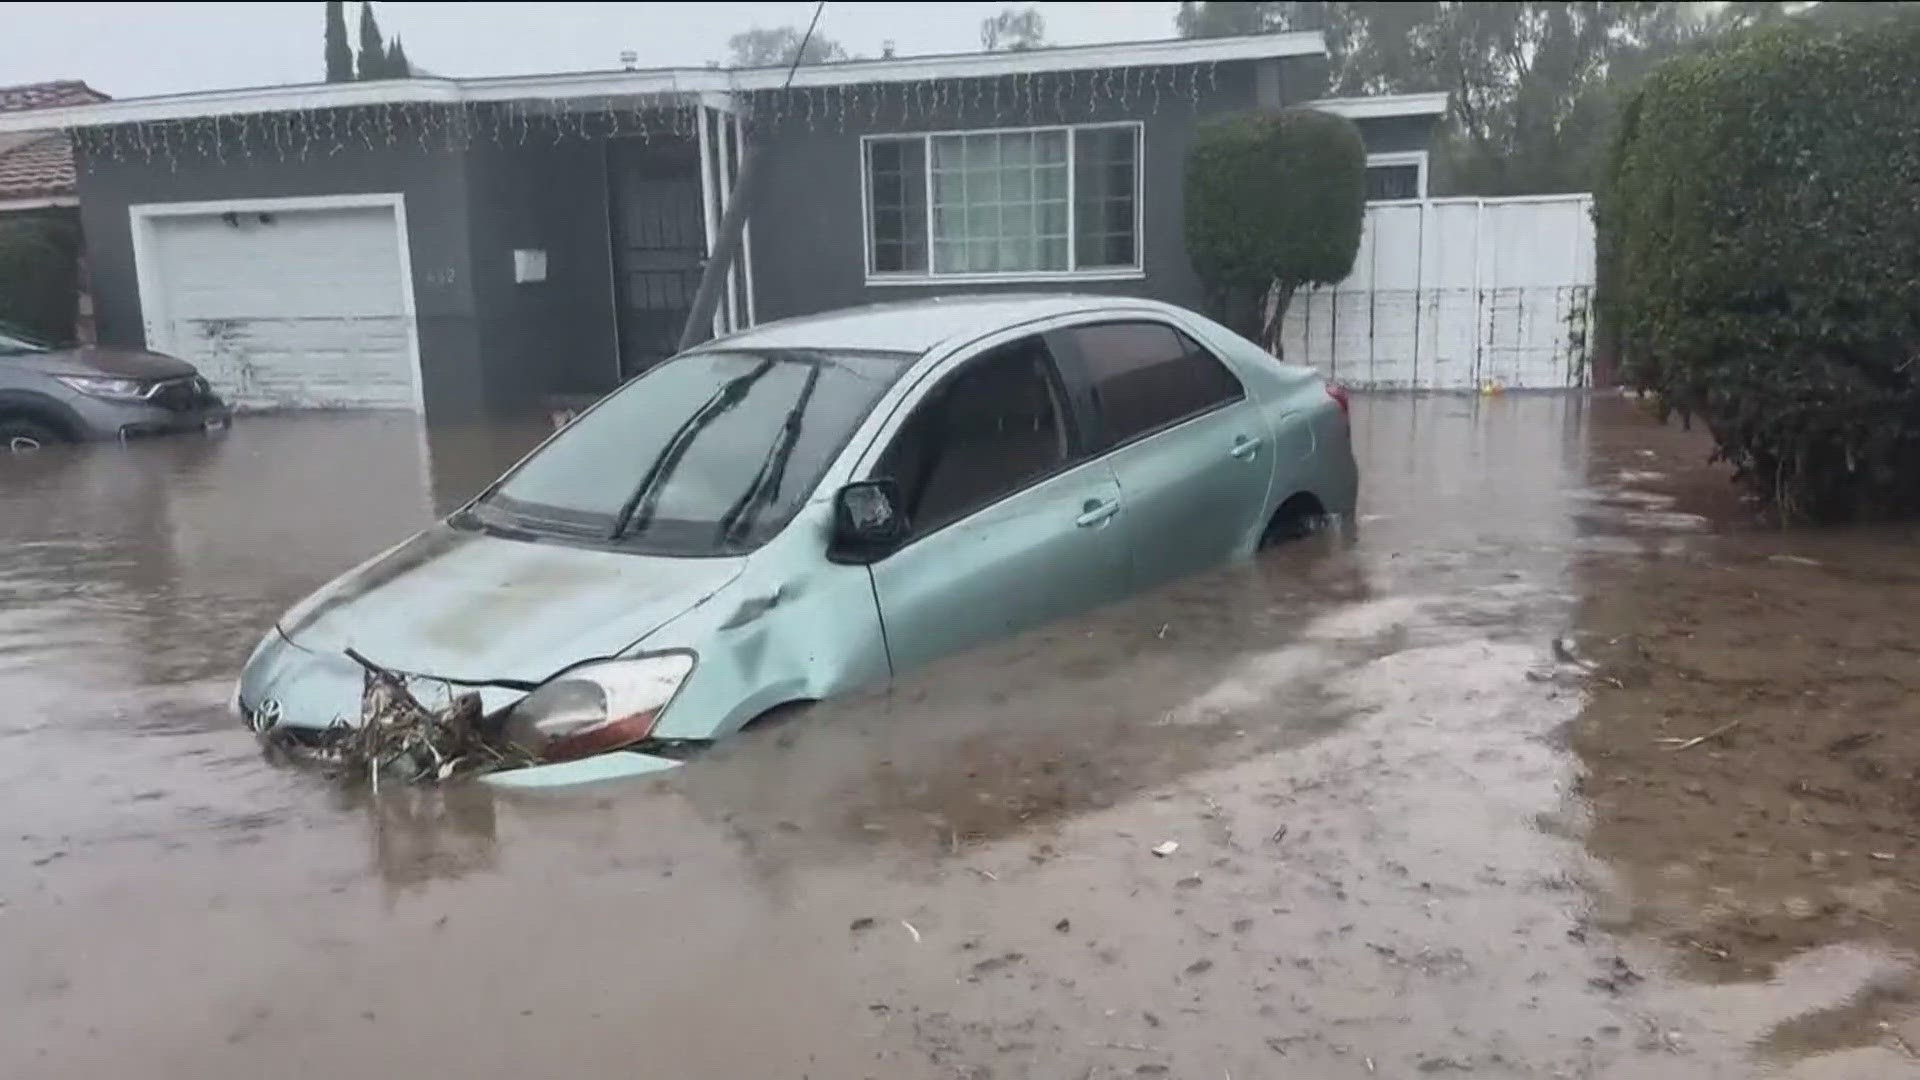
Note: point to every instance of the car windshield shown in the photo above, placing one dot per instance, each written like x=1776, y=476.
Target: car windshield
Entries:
x=706, y=454
x=16, y=342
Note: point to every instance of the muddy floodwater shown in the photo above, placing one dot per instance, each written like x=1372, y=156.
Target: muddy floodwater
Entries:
x=1415, y=836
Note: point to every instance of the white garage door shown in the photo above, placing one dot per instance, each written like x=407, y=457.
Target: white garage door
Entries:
x=283, y=308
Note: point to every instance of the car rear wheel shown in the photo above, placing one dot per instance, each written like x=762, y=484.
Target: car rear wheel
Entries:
x=20, y=434
x=1297, y=519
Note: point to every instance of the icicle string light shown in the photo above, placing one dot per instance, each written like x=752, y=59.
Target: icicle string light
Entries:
x=416, y=127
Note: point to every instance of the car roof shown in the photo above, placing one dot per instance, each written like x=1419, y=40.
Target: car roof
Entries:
x=915, y=326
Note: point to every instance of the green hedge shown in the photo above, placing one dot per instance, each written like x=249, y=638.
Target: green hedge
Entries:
x=1273, y=197
x=40, y=272
x=1759, y=237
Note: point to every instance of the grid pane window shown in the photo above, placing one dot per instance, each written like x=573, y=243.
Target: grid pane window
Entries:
x=999, y=202
x=1003, y=202
x=1106, y=175
x=897, y=210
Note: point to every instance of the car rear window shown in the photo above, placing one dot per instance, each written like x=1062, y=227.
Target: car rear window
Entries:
x=1148, y=375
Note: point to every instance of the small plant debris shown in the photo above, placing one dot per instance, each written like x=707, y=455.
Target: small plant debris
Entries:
x=1855, y=741
x=994, y=963
x=399, y=738
x=1616, y=978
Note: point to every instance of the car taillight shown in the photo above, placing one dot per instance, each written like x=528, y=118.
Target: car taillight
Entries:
x=1339, y=395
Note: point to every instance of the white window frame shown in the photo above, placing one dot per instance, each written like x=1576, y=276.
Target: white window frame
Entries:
x=930, y=276
x=1403, y=157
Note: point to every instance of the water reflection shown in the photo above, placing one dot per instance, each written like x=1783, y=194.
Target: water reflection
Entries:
x=1372, y=800
x=1374, y=859
x=135, y=578
x=421, y=834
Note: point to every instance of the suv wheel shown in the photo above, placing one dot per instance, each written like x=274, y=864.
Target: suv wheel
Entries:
x=20, y=434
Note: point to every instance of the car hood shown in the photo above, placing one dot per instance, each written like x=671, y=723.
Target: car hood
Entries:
x=468, y=607
x=113, y=363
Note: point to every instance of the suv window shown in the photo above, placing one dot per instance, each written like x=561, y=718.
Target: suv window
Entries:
x=1148, y=375
x=989, y=429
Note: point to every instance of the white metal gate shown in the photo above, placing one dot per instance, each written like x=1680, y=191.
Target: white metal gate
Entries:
x=1453, y=294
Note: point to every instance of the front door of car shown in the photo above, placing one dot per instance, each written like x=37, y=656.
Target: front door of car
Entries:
x=1012, y=524
x=1189, y=445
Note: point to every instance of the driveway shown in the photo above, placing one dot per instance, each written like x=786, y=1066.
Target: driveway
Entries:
x=1365, y=749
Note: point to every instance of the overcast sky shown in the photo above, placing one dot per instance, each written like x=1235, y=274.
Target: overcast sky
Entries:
x=133, y=50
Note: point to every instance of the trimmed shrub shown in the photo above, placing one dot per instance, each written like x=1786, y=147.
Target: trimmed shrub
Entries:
x=40, y=272
x=1759, y=239
x=1274, y=202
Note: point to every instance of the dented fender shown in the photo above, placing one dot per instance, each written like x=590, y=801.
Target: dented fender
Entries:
x=792, y=627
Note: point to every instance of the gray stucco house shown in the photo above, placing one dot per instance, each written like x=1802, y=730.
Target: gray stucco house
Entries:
x=484, y=246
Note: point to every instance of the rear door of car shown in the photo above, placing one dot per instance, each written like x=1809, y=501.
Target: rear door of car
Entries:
x=1013, y=521
x=1186, y=439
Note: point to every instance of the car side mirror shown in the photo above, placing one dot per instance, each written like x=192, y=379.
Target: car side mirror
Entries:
x=868, y=521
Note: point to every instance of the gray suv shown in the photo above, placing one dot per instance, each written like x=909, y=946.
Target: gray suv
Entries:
x=52, y=394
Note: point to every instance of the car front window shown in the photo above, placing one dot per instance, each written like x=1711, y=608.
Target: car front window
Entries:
x=995, y=426
x=706, y=454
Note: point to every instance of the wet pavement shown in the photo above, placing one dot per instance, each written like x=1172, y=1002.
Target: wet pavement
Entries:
x=1388, y=863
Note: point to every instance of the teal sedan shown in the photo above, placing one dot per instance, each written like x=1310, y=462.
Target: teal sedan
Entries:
x=815, y=506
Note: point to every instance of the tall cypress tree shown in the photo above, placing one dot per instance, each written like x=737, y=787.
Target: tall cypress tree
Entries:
x=373, y=52
x=339, y=53
x=397, y=65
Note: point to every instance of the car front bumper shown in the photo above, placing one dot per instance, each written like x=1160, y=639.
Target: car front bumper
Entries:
x=211, y=419
x=102, y=418
x=613, y=765
x=286, y=686
x=301, y=693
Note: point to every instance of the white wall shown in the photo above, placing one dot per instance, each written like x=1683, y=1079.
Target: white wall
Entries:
x=1452, y=294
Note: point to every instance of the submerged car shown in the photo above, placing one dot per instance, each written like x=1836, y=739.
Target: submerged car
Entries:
x=52, y=394
x=802, y=509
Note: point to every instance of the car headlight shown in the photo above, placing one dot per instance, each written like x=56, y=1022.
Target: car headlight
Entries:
x=101, y=387
x=596, y=707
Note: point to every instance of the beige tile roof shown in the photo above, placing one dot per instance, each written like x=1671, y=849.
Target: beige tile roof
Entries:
x=39, y=164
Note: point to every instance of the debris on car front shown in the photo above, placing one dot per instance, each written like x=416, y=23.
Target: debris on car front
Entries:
x=397, y=737
x=571, y=731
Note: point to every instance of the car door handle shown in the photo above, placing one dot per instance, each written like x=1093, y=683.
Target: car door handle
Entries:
x=1245, y=447
x=1097, y=512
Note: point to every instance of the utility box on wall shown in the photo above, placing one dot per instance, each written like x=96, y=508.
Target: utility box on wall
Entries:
x=529, y=265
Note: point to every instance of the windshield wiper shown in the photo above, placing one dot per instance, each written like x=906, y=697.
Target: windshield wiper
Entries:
x=498, y=521
x=638, y=509
x=491, y=520
x=489, y=516
x=739, y=517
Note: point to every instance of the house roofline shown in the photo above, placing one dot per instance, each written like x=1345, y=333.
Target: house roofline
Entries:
x=1373, y=108
x=1173, y=51
x=667, y=81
